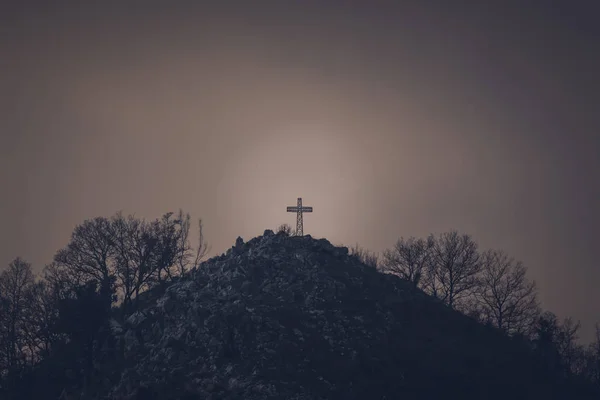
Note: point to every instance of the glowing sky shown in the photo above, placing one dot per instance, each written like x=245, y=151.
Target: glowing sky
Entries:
x=389, y=120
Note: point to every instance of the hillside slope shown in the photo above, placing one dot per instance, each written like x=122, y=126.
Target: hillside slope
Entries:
x=297, y=318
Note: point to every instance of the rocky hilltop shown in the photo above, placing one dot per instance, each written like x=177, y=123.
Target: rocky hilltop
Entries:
x=289, y=318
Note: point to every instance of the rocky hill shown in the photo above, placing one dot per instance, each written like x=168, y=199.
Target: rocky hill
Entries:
x=289, y=318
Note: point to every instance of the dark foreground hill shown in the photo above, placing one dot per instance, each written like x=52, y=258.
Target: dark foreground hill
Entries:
x=297, y=318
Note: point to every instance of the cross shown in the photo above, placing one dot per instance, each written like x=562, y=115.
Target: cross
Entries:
x=299, y=210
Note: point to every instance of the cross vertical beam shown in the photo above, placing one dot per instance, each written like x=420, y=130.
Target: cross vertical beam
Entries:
x=299, y=210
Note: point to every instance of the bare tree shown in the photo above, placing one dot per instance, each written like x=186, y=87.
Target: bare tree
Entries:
x=408, y=259
x=61, y=279
x=134, y=251
x=452, y=272
x=556, y=341
x=365, y=256
x=166, y=232
x=149, y=253
x=184, y=249
x=546, y=338
x=187, y=257
x=203, y=247
x=371, y=259
x=505, y=297
x=14, y=284
x=40, y=316
x=89, y=254
x=285, y=229
x=126, y=255
x=566, y=341
x=580, y=362
x=593, y=357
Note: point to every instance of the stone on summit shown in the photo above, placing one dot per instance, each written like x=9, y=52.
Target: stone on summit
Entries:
x=239, y=242
x=268, y=232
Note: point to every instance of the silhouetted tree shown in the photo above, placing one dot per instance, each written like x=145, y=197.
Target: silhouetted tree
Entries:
x=556, y=342
x=504, y=295
x=566, y=341
x=15, y=282
x=89, y=256
x=60, y=323
x=203, y=247
x=285, y=229
x=135, y=246
x=127, y=255
x=150, y=253
x=40, y=316
x=166, y=235
x=545, y=340
x=365, y=256
x=83, y=317
x=593, y=357
x=455, y=263
x=409, y=259
x=173, y=235
x=60, y=279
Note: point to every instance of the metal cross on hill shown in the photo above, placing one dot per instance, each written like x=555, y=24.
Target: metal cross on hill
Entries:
x=299, y=210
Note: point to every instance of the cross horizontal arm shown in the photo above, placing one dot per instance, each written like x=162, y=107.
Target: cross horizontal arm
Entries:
x=302, y=209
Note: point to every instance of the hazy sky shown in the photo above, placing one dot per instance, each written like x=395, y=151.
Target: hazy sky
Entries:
x=390, y=120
